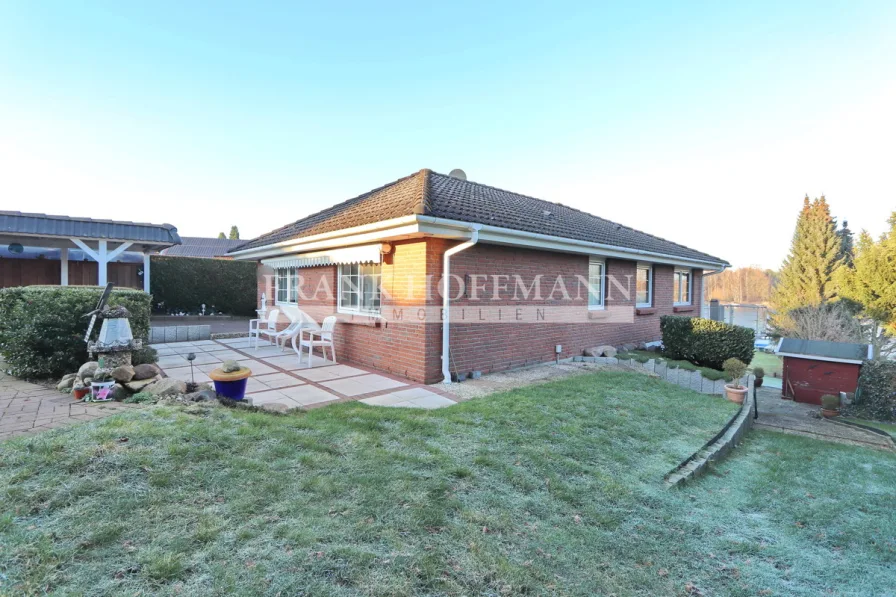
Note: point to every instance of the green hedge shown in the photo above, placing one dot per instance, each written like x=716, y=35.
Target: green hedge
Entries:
x=42, y=328
x=705, y=342
x=186, y=283
x=876, y=398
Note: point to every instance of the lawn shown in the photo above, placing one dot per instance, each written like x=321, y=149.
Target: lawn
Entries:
x=771, y=363
x=887, y=427
x=547, y=490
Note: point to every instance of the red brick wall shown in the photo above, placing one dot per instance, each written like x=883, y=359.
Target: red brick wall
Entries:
x=494, y=347
x=413, y=350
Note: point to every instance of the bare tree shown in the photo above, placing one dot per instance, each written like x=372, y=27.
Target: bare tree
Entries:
x=831, y=321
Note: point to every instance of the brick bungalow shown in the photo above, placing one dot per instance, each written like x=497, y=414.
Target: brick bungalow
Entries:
x=529, y=280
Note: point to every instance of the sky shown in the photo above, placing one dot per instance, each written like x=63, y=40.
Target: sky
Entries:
x=704, y=123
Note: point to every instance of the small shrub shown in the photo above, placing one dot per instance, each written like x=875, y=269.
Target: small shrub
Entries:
x=830, y=402
x=734, y=369
x=42, y=327
x=876, y=398
x=140, y=398
x=758, y=371
x=705, y=342
x=145, y=356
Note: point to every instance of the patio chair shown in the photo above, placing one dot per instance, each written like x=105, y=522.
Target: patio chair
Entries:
x=322, y=338
x=268, y=326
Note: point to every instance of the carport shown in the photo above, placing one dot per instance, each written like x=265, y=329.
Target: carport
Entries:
x=102, y=241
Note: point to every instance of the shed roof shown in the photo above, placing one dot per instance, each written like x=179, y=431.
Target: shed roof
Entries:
x=824, y=351
x=14, y=223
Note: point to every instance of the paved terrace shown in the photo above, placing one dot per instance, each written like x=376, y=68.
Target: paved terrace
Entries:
x=277, y=376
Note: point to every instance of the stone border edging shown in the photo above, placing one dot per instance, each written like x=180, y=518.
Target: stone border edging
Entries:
x=716, y=448
x=685, y=378
x=879, y=432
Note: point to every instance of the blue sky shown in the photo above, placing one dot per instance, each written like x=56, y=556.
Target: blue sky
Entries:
x=702, y=123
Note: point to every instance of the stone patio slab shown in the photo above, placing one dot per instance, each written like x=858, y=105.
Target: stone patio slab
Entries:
x=329, y=373
x=364, y=384
x=278, y=380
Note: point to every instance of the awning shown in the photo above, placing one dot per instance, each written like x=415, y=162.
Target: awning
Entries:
x=361, y=254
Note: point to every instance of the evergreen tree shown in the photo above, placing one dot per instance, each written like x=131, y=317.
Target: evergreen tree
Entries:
x=221, y=235
x=234, y=233
x=806, y=277
x=846, y=244
x=872, y=284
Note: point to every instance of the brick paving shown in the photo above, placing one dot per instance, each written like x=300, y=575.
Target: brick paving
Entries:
x=29, y=408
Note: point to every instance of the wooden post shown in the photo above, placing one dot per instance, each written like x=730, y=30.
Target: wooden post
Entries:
x=63, y=266
x=146, y=272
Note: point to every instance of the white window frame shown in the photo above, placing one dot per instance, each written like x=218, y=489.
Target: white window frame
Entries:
x=676, y=300
x=603, y=281
x=292, y=288
x=358, y=308
x=649, y=268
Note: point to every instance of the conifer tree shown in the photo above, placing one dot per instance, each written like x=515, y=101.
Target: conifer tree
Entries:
x=234, y=233
x=221, y=235
x=807, y=275
x=847, y=252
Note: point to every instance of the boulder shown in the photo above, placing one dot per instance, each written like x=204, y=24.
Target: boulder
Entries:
x=147, y=371
x=230, y=366
x=100, y=374
x=78, y=384
x=122, y=373
x=167, y=387
x=205, y=395
x=87, y=369
x=138, y=385
x=601, y=351
x=67, y=381
x=118, y=392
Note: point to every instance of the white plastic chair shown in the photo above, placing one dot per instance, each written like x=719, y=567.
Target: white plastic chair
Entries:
x=268, y=327
x=325, y=335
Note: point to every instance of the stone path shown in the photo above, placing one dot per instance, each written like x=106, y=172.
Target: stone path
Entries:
x=28, y=408
x=797, y=418
x=278, y=378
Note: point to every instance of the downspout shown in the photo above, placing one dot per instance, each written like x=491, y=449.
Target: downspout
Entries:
x=446, y=298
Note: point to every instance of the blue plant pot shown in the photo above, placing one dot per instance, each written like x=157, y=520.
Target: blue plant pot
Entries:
x=235, y=390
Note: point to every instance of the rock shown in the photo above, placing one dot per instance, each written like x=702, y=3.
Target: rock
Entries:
x=147, y=371
x=87, y=381
x=629, y=347
x=137, y=386
x=87, y=369
x=601, y=351
x=101, y=374
x=274, y=407
x=118, y=392
x=67, y=381
x=167, y=387
x=122, y=373
x=230, y=366
x=206, y=395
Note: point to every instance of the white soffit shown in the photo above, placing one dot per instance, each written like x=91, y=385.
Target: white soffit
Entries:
x=361, y=254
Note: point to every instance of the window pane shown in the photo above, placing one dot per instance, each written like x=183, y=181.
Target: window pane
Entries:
x=293, y=285
x=595, y=284
x=676, y=292
x=281, y=285
x=643, y=286
x=359, y=287
x=685, y=287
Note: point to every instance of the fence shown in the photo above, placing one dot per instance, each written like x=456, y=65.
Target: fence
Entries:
x=754, y=317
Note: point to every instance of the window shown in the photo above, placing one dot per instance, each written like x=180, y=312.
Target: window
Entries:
x=287, y=290
x=681, y=293
x=359, y=288
x=644, y=285
x=595, y=283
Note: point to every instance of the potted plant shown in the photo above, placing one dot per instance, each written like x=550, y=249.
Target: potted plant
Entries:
x=101, y=385
x=759, y=375
x=830, y=406
x=230, y=380
x=735, y=370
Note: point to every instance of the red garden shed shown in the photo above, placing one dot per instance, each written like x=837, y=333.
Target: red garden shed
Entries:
x=813, y=368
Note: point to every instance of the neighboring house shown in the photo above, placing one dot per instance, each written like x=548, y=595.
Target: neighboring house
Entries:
x=813, y=368
x=208, y=248
x=377, y=261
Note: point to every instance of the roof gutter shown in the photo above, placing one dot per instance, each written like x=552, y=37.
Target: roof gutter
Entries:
x=446, y=298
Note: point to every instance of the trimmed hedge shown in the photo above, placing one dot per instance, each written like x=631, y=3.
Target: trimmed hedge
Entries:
x=42, y=328
x=876, y=398
x=186, y=283
x=705, y=342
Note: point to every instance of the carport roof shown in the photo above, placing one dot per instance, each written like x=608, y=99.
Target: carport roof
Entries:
x=16, y=223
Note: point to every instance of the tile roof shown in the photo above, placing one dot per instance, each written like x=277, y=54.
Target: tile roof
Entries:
x=16, y=222
x=198, y=246
x=433, y=194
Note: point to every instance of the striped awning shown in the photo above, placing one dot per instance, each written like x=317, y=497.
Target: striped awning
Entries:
x=360, y=254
